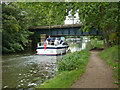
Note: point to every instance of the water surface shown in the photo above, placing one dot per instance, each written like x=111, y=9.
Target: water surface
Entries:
x=29, y=70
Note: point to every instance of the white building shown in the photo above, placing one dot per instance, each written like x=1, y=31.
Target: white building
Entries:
x=72, y=19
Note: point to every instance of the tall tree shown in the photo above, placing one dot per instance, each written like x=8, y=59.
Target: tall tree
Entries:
x=19, y=16
x=102, y=15
x=45, y=13
x=14, y=31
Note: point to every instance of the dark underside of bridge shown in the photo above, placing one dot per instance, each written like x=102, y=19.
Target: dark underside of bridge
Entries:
x=65, y=30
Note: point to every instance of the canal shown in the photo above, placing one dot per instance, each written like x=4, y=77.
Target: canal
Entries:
x=29, y=70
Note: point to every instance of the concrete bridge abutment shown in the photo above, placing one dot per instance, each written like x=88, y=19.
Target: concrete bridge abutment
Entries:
x=42, y=38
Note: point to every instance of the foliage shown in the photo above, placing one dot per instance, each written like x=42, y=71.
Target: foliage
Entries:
x=14, y=33
x=111, y=55
x=95, y=37
x=89, y=46
x=71, y=65
x=78, y=44
x=94, y=43
x=44, y=13
x=73, y=61
x=19, y=16
x=100, y=15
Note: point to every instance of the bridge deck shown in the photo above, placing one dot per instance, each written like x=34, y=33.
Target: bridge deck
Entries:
x=64, y=30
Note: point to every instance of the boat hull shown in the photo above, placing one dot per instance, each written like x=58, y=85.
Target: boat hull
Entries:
x=52, y=50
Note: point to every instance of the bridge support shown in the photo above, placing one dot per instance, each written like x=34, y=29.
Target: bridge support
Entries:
x=43, y=38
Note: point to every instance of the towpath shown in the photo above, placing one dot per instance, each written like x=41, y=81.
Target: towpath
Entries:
x=97, y=74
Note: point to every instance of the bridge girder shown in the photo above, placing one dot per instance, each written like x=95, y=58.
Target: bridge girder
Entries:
x=69, y=30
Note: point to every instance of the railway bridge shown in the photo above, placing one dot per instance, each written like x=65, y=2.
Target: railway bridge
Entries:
x=65, y=30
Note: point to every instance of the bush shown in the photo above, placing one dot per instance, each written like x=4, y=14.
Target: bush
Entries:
x=66, y=66
x=73, y=61
x=89, y=46
x=94, y=43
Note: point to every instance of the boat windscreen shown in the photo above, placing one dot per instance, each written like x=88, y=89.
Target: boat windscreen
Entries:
x=53, y=38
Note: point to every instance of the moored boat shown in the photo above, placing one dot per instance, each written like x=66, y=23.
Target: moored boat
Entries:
x=52, y=48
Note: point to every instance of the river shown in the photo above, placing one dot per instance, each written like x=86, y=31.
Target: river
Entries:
x=29, y=70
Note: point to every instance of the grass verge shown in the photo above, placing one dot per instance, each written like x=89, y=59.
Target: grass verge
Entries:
x=112, y=58
x=70, y=68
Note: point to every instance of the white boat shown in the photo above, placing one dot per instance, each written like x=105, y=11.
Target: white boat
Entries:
x=52, y=50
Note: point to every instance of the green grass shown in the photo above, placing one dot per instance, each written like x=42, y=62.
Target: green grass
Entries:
x=71, y=72
x=112, y=59
x=110, y=53
x=62, y=80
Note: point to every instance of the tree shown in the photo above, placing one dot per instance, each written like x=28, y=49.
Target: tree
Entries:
x=17, y=17
x=101, y=15
x=45, y=13
x=14, y=32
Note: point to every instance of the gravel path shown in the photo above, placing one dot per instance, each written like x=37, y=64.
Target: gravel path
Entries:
x=97, y=74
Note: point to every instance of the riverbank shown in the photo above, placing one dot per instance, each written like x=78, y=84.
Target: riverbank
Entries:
x=111, y=57
x=70, y=68
x=69, y=77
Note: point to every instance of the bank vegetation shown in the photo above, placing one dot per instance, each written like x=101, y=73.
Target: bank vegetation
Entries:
x=70, y=68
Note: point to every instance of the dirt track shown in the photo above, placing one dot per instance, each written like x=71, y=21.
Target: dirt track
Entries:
x=97, y=74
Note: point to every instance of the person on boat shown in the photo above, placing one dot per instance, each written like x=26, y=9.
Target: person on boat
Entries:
x=61, y=41
x=46, y=42
x=56, y=42
x=49, y=39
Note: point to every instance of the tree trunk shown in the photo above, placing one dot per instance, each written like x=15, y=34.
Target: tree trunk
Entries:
x=104, y=37
x=103, y=29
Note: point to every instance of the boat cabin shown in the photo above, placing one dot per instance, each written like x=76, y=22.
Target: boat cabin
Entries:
x=54, y=41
